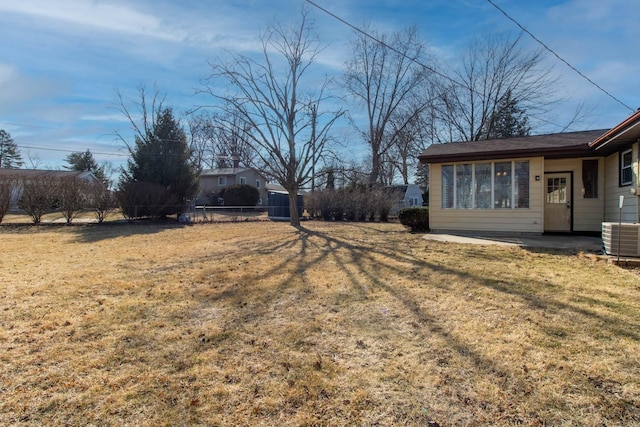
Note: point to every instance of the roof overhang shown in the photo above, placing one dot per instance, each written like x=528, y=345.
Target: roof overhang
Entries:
x=619, y=137
x=547, y=153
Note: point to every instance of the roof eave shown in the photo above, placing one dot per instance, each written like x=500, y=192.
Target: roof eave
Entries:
x=550, y=153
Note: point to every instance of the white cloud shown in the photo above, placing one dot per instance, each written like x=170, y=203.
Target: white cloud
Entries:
x=17, y=90
x=105, y=16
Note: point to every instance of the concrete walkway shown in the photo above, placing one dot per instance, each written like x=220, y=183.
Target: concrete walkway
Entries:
x=583, y=243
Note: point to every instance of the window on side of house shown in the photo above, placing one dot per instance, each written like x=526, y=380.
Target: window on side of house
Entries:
x=590, y=179
x=483, y=186
x=243, y=180
x=447, y=186
x=521, y=175
x=626, y=172
x=258, y=183
x=222, y=180
x=499, y=185
x=464, y=179
x=502, y=186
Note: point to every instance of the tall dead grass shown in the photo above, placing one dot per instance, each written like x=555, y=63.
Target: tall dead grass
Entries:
x=328, y=324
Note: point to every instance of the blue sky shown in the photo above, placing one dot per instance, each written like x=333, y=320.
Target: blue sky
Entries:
x=62, y=60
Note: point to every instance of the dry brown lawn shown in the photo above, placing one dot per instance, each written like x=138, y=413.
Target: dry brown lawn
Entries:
x=259, y=323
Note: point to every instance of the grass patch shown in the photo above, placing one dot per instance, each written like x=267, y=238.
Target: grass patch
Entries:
x=260, y=323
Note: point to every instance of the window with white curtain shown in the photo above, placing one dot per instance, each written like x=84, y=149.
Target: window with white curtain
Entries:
x=487, y=185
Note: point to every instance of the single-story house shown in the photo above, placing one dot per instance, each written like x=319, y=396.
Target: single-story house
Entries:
x=45, y=175
x=565, y=182
x=212, y=181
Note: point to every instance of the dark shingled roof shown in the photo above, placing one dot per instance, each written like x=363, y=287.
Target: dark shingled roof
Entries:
x=558, y=145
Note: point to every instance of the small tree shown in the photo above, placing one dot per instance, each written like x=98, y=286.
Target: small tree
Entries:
x=102, y=200
x=39, y=196
x=7, y=188
x=10, y=157
x=72, y=196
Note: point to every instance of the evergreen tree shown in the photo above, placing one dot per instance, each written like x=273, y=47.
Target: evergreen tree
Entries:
x=84, y=161
x=508, y=120
x=9, y=153
x=161, y=164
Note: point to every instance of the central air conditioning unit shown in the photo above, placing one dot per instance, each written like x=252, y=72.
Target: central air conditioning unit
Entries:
x=629, y=238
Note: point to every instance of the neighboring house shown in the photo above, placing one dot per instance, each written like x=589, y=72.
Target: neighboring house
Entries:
x=411, y=196
x=44, y=175
x=566, y=182
x=212, y=181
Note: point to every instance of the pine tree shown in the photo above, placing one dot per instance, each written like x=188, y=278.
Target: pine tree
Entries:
x=160, y=177
x=84, y=161
x=508, y=120
x=9, y=153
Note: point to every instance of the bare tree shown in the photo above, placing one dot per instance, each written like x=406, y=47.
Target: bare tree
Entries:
x=8, y=185
x=39, y=196
x=411, y=132
x=491, y=69
x=385, y=75
x=72, y=196
x=220, y=139
x=289, y=133
x=102, y=200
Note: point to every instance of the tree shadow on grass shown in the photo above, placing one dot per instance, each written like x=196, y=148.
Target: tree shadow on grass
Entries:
x=360, y=263
x=91, y=233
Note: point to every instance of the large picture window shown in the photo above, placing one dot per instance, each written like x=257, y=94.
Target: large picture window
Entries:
x=499, y=185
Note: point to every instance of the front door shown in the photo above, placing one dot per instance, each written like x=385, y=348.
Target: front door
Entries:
x=557, y=207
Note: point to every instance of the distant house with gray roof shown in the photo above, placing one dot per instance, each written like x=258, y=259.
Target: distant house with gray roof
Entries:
x=213, y=181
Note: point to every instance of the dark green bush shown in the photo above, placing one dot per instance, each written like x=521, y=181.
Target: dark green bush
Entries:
x=240, y=195
x=417, y=219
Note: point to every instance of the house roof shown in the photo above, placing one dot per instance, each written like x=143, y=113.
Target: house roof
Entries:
x=31, y=173
x=622, y=135
x=224, y=171
x=558, y=145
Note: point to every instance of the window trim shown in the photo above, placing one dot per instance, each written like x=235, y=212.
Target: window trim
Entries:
x=622, y=168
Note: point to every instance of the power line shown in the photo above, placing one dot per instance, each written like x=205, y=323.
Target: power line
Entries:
x=377, y=40
x=558, y=56
x=381, y=42
x=69, y=151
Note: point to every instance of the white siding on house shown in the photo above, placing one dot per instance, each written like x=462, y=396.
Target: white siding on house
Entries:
x=588, y=214
x=613, y=191
x=529, y=220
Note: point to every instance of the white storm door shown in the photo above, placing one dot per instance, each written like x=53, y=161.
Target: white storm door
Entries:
x=557, y=206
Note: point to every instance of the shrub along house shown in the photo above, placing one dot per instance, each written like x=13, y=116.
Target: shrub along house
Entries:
x=566, y=182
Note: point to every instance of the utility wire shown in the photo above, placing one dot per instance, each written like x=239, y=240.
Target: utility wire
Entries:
x=377, y=40
x=68, y=151
x=558, y=56
x=381, y=42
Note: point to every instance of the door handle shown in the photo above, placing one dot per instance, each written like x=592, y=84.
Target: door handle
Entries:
x=568, y=205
